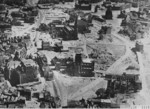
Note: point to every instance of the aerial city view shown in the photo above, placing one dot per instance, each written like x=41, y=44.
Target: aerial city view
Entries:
x=74, y=53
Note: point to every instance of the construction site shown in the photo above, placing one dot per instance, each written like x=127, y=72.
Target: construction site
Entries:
x=74, y=53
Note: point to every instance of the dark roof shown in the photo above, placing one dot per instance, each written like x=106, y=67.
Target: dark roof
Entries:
x=82, y=23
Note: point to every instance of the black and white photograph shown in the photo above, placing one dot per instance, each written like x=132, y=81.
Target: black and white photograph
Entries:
x=75, y=54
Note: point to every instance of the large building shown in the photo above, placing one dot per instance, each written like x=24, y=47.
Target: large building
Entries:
x=21, y=72
x=87, y=68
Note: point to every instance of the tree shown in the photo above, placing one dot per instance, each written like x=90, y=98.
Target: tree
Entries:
x=100, y=92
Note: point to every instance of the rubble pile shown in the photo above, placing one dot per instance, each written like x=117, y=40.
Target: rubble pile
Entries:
x=53, y=52
x=133, y=26
x=103, y=59
x=104, y=56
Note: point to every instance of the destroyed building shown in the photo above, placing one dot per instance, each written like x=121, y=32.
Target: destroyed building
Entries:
x=23, y=72
x=74, y=53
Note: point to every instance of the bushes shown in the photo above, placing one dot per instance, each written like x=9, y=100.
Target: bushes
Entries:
x=43, y=27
